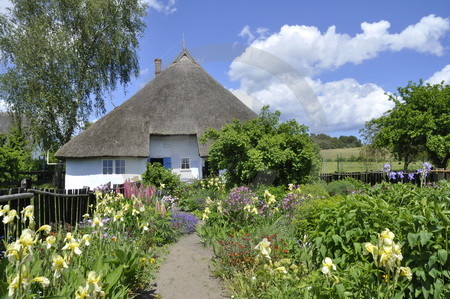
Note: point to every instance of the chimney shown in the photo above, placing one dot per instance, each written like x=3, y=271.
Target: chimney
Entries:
x=157, y=66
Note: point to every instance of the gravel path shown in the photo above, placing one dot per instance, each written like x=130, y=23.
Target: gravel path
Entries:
x=186, y=274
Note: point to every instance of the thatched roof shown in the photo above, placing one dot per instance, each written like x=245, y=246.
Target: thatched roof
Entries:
x=181, y=100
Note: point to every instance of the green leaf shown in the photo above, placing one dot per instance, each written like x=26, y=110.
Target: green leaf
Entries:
x=340, y=290
x=438, y=288
x=337, y=239
x=442, y=256
x=425, y=237
x=112, y=278
x=412, y=239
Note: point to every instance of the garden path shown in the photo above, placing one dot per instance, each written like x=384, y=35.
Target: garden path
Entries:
x=186, y=273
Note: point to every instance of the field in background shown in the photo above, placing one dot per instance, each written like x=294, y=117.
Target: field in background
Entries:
x=332, y=162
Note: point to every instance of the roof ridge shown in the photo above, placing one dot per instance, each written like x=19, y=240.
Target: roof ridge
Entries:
x=183, y=53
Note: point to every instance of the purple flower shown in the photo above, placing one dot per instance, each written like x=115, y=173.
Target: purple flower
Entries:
x=392, y=175
x=427, y=167
x=184, y=222
x=411, y=176
x=386, y=167
x=400, y=175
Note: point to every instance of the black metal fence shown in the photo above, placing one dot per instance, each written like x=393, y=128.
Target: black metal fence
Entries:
x=65, y=207
x=377, y=177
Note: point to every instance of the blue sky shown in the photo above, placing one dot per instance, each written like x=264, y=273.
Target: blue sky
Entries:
x=327, y=64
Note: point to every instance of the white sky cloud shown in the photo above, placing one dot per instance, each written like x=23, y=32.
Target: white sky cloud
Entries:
x=280, y=70
x=442, y=75
x=2, y=105
x=4, y=4
x=164, y=6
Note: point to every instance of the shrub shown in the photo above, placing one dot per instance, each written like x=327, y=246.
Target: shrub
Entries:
x=158, y=176
x=342, y=187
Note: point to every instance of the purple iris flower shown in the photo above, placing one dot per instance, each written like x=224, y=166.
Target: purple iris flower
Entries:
x=400, y=175
x=392, y=175
x=411, y=176
x=386, y=167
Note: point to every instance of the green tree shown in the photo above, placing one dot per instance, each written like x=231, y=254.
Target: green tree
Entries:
x=15, y=152
x=419, y=122
x=263, y=150
x=62, y=57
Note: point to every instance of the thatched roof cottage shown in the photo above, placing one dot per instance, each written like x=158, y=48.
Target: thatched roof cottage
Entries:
x=161, y=123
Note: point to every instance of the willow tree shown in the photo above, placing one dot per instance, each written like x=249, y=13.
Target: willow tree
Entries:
x=61, y=58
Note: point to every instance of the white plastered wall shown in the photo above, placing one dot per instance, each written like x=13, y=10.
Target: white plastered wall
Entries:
x=177, y=147
x=89, y=172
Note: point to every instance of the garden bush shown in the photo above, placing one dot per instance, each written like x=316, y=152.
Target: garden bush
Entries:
x=341, y=187
x=158, y=176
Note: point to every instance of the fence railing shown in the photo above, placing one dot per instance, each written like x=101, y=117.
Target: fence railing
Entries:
x=63, y=207
x=376, y=177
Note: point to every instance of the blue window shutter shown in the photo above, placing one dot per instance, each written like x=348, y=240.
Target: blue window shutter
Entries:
x=167, y=162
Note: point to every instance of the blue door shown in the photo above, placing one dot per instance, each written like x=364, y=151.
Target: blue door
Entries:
x=167, y=162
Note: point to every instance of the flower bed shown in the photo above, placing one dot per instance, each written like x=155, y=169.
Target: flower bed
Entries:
x=113, y=252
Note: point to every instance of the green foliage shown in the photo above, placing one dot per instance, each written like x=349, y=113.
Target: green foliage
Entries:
x=157, y=175
x=262, y=150
x=417, y=217
x=341, y=187
x=62, y=57
x=327, y=142
x=419, y=122
x=15, y=154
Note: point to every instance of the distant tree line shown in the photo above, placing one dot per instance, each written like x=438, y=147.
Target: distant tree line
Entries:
x=327, y=142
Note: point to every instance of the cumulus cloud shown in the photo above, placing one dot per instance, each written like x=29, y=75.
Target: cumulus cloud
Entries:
x=332, y=106
x=310, y=51
x=281, y=70
x=261, y=33
x=442, y=75
x=166, y=7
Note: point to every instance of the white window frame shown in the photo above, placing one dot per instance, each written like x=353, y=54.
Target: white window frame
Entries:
x=119, y=167
x=113, y=166
x=185, y=163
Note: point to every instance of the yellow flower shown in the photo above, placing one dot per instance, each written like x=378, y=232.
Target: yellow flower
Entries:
x=208, y=200
x=10, y=217
x=82, y=292
x=59, y=264
x=69, y=237
x=13, y=285
x=94, y=280
x=406, y=271
x=204, y=216
x=118, y=216
x=291, y=187
x=247, y=208
x=28, y=212
x=281, y=270
x=73, y=246
x=97, y=222
x=26, y=240
x=86, y=216
x=255, y=211
x=50, y=240
x=4, y=210
x=85, y=239
x=45, y=282
x=387, y=236
x=12, y=251
x=264, y=248
x=207, y=210
x=371, y=248
x=327, y=265
x=46, y=228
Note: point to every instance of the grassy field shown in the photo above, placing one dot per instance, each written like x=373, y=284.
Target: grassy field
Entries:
x=330, y=162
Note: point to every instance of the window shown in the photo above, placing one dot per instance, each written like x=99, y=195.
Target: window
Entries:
x=120, y=166
x=185, y=163
x=108, y=166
